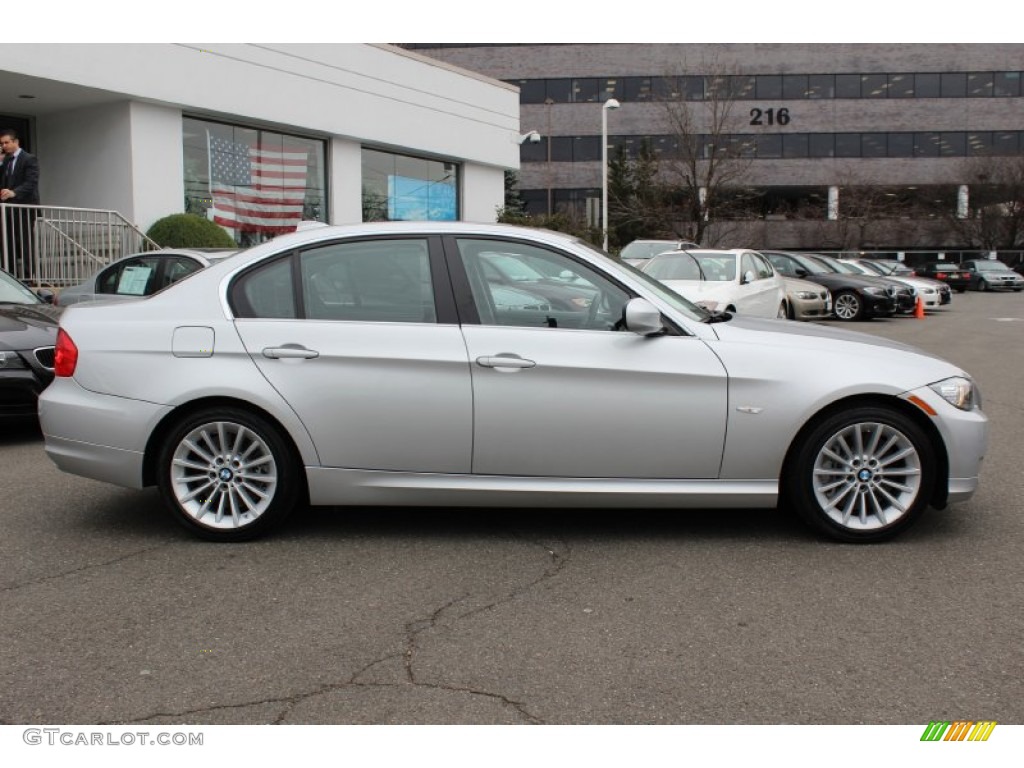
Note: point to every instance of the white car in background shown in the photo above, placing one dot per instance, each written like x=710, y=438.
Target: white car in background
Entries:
x=736, y=281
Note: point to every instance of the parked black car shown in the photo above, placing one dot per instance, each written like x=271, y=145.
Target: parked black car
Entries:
x=990, y=274
x=28, y=333
x=853, y=297
x=906, y=299
x=952, y=275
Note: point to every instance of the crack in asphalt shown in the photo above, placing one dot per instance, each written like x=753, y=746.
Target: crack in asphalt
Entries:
x=413, y=629
x=84, y=568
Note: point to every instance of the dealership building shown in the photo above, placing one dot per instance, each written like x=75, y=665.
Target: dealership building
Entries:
x=921, y=123
x=259, y=137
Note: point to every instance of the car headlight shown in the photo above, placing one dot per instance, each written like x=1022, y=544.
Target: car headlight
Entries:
x=806, y=295
x=958, y=391
x=875, y=291
x=9, y=360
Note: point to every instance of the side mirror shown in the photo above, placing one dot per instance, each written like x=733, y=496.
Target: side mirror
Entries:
x=801, y=272
x=45, y=294
x=643, y=318
x=748, y=277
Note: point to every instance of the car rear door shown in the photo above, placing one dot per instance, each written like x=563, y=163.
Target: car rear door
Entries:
x=359, y=338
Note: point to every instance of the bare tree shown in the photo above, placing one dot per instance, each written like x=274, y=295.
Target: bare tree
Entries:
x=708, y=167
x=995, y=216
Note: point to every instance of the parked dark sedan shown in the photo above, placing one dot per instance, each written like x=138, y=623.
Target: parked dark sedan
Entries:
x=951, y=274
x=906, y=298
x=853, y=297
x=28, y=333
x=990, y=274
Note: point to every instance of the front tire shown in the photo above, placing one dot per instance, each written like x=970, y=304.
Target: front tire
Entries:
x=227, y=474
x=847, y=305
x=862, y=475
x=784, y=312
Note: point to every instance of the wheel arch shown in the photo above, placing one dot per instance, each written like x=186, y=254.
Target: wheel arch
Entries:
x=168, y=423
x=940, y=490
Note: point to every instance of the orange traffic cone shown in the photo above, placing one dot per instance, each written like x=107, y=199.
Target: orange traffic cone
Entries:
x=919, y=309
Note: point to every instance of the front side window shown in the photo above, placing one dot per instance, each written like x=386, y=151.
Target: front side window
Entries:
x=515, y=284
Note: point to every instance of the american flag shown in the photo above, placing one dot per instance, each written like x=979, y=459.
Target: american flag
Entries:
x=257, y=189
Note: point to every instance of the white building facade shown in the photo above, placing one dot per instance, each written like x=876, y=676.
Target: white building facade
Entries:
x=372, y=131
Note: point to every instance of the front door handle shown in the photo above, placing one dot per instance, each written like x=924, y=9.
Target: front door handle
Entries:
x=290, y=352
x=504, y=361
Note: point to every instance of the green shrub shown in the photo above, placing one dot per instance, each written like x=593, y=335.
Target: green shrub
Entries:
x=187, y=230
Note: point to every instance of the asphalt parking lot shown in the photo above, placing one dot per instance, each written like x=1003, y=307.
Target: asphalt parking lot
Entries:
x=111, y=614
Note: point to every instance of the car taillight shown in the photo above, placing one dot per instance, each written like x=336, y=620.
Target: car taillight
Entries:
x=65, y=355
x=940, y=275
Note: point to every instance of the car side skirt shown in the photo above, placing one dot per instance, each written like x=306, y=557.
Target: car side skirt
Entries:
x=367, y=488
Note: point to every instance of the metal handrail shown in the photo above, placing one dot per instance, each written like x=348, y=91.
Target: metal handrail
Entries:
x=58, y=246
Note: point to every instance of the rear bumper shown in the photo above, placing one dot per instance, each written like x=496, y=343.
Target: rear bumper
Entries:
x=96, y=436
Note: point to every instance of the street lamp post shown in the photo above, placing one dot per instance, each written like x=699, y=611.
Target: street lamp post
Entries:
x=610, y=104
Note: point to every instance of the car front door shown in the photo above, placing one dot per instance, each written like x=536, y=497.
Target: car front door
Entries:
x=360, y=339
x=559, y=393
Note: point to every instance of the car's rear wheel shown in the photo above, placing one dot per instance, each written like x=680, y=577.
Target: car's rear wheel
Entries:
x=863, y=475
x=227, y=474
x=847, y=305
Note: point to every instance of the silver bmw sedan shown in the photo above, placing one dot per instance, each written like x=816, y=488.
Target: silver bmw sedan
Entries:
x=379, y=364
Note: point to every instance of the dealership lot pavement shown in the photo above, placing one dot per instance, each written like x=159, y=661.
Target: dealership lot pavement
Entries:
x=112, y=614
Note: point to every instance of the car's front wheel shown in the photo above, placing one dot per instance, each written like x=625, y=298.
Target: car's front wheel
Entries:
x=227, y=474
x=783, y=313
x=862, y=475
x=847, y=305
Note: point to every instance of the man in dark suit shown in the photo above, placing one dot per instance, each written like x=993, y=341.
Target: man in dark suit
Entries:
x=19, y=186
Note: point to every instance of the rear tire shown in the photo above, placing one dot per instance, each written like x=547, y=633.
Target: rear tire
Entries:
x=863, y=475
x=227, y=474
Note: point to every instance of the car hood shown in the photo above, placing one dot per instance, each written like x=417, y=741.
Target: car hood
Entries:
x=796, y=284
x=836, y=346
x=27, y=326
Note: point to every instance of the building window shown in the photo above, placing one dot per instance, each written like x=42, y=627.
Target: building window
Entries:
x=874, y=86
x=795, y=145
x=823, y=145
x=847, y=86
x=403, y=188
x=926, y=86
x=769, y=86
x=901, y=145
x=901, y=86
x=980, y=84
x=847, y=145
x=873, y=145
x=821, y=87
x=954, y=85
x=795, y=87
x=1006, y=84
x=255, y=183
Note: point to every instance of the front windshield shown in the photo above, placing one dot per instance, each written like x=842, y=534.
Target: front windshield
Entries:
x=662, y=291
x=829, y=265
x=673, y=266
x=850, y=269
x=13, y=292
x=990, y=266
x=812, y=266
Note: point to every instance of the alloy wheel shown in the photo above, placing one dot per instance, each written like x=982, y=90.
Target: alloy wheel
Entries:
x=223, y=475
x=867, y=476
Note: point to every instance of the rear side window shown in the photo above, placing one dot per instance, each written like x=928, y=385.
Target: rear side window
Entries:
x=266, y=291
x=369, y=281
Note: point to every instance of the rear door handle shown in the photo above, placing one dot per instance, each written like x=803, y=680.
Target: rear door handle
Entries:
x=290, y=352
x=504, y=361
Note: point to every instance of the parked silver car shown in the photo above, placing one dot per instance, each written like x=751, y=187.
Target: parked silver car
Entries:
x=141, y=274
x=372, y=365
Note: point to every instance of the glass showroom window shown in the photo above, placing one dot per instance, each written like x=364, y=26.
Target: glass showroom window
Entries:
x=256, y=184
x=403, y=188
